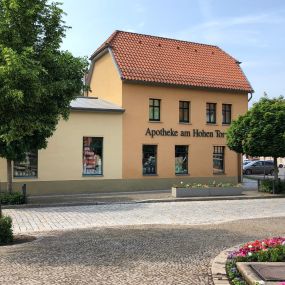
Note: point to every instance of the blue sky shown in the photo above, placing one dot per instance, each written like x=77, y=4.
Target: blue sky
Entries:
x=251, y=31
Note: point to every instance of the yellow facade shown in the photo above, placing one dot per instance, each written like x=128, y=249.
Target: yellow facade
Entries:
x=105, y=80
x=62, y=159
x=136, y=122
x=134, y=98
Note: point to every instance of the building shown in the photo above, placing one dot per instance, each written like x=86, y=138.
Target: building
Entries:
x=170, y=103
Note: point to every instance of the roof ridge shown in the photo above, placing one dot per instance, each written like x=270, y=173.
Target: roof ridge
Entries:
x=165, y=38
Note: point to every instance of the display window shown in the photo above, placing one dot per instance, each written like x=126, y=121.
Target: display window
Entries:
x=28, y=167
x=149, y=159
x=219, y=159
x=92, y=156
x=181, y=159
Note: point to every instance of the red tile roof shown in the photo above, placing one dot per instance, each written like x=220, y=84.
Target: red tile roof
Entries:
x=158, y=60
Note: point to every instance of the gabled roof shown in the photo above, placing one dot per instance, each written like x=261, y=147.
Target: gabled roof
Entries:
x=152, y=59
x=94, y=104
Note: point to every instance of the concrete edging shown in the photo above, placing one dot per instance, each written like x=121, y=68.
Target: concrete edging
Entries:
x=163, y=200
x=218, y=267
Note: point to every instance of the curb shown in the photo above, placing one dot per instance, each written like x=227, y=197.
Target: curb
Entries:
x=218, y=267
x=198, y=199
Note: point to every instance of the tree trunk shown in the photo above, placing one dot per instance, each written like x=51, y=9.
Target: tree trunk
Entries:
x=9, y=176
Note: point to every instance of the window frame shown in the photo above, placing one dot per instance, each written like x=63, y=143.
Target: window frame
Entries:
x=217, y=151
x=187, y=159
x=209, y=111
x=184, y=109
x=143, y=157
x=102, y=157
x=226, y=111
x=151, y=114
x=27, y=176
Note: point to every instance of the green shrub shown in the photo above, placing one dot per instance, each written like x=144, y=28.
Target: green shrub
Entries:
x=267, y=186
x=6, y=232
x=12, y=199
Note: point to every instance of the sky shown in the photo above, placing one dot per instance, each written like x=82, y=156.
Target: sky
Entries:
x=252, y=31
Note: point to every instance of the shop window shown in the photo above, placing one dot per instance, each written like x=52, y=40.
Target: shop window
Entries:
x=184, y=111
x=154, y=109
x=181, y=159
x=92, y=156
x=149, y=159
x=227, y=113
x=219, y=159
x=28, y=167
x=211, y=113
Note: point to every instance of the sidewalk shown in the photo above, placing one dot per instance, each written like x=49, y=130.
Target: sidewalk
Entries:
x=153, y=196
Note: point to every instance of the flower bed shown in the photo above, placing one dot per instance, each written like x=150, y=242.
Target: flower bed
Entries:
x=267, y=250
x=202, y=190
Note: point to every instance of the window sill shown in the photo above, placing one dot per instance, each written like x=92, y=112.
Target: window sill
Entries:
x=92, y=175
x=226, y=124
x=159, y=122
x=222, y=173
x=211, y=124
x=185, y=123
x=25, y=177
x=150, y=174
x=182, y=174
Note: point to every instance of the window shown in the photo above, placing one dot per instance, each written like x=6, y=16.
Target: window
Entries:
x=92, y=156
x=28, y=167
x=211, y=113
x=227, y=113
x=218, y=159
x=149, y=159
x=184, y=111
x=181, y=159
x=154, y=109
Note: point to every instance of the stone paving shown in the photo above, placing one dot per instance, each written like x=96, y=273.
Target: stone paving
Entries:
x=136, y=255
x=167, y=213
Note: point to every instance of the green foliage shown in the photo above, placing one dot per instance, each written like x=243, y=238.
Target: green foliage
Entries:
x=12, y=198
x=233, y=274
x=211, y=184
x=276, y=254
x=37, y=79
x=6, y=232
x=267, y=186
x=261, y=131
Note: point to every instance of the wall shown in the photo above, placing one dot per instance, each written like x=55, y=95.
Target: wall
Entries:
x=105, y=80
x=62, y=160
x=135, y=123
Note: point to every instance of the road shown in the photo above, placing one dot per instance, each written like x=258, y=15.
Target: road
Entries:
x=29, y=220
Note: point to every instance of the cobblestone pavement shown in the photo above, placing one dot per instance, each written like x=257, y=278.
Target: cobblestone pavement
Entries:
x=168, y=213
x=140, y=255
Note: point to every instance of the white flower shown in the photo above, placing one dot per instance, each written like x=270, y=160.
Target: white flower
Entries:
x=249, y=254
x=250, y=246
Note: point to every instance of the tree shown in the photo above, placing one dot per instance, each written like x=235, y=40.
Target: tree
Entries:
x=261, y=131
x=37, y=79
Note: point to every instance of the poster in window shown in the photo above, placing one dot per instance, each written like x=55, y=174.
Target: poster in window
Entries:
x=92, y=156
x=28, y=167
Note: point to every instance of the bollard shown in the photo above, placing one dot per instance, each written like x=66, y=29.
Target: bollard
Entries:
x=258, y=185
x=273, y=188
x=24, y=192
